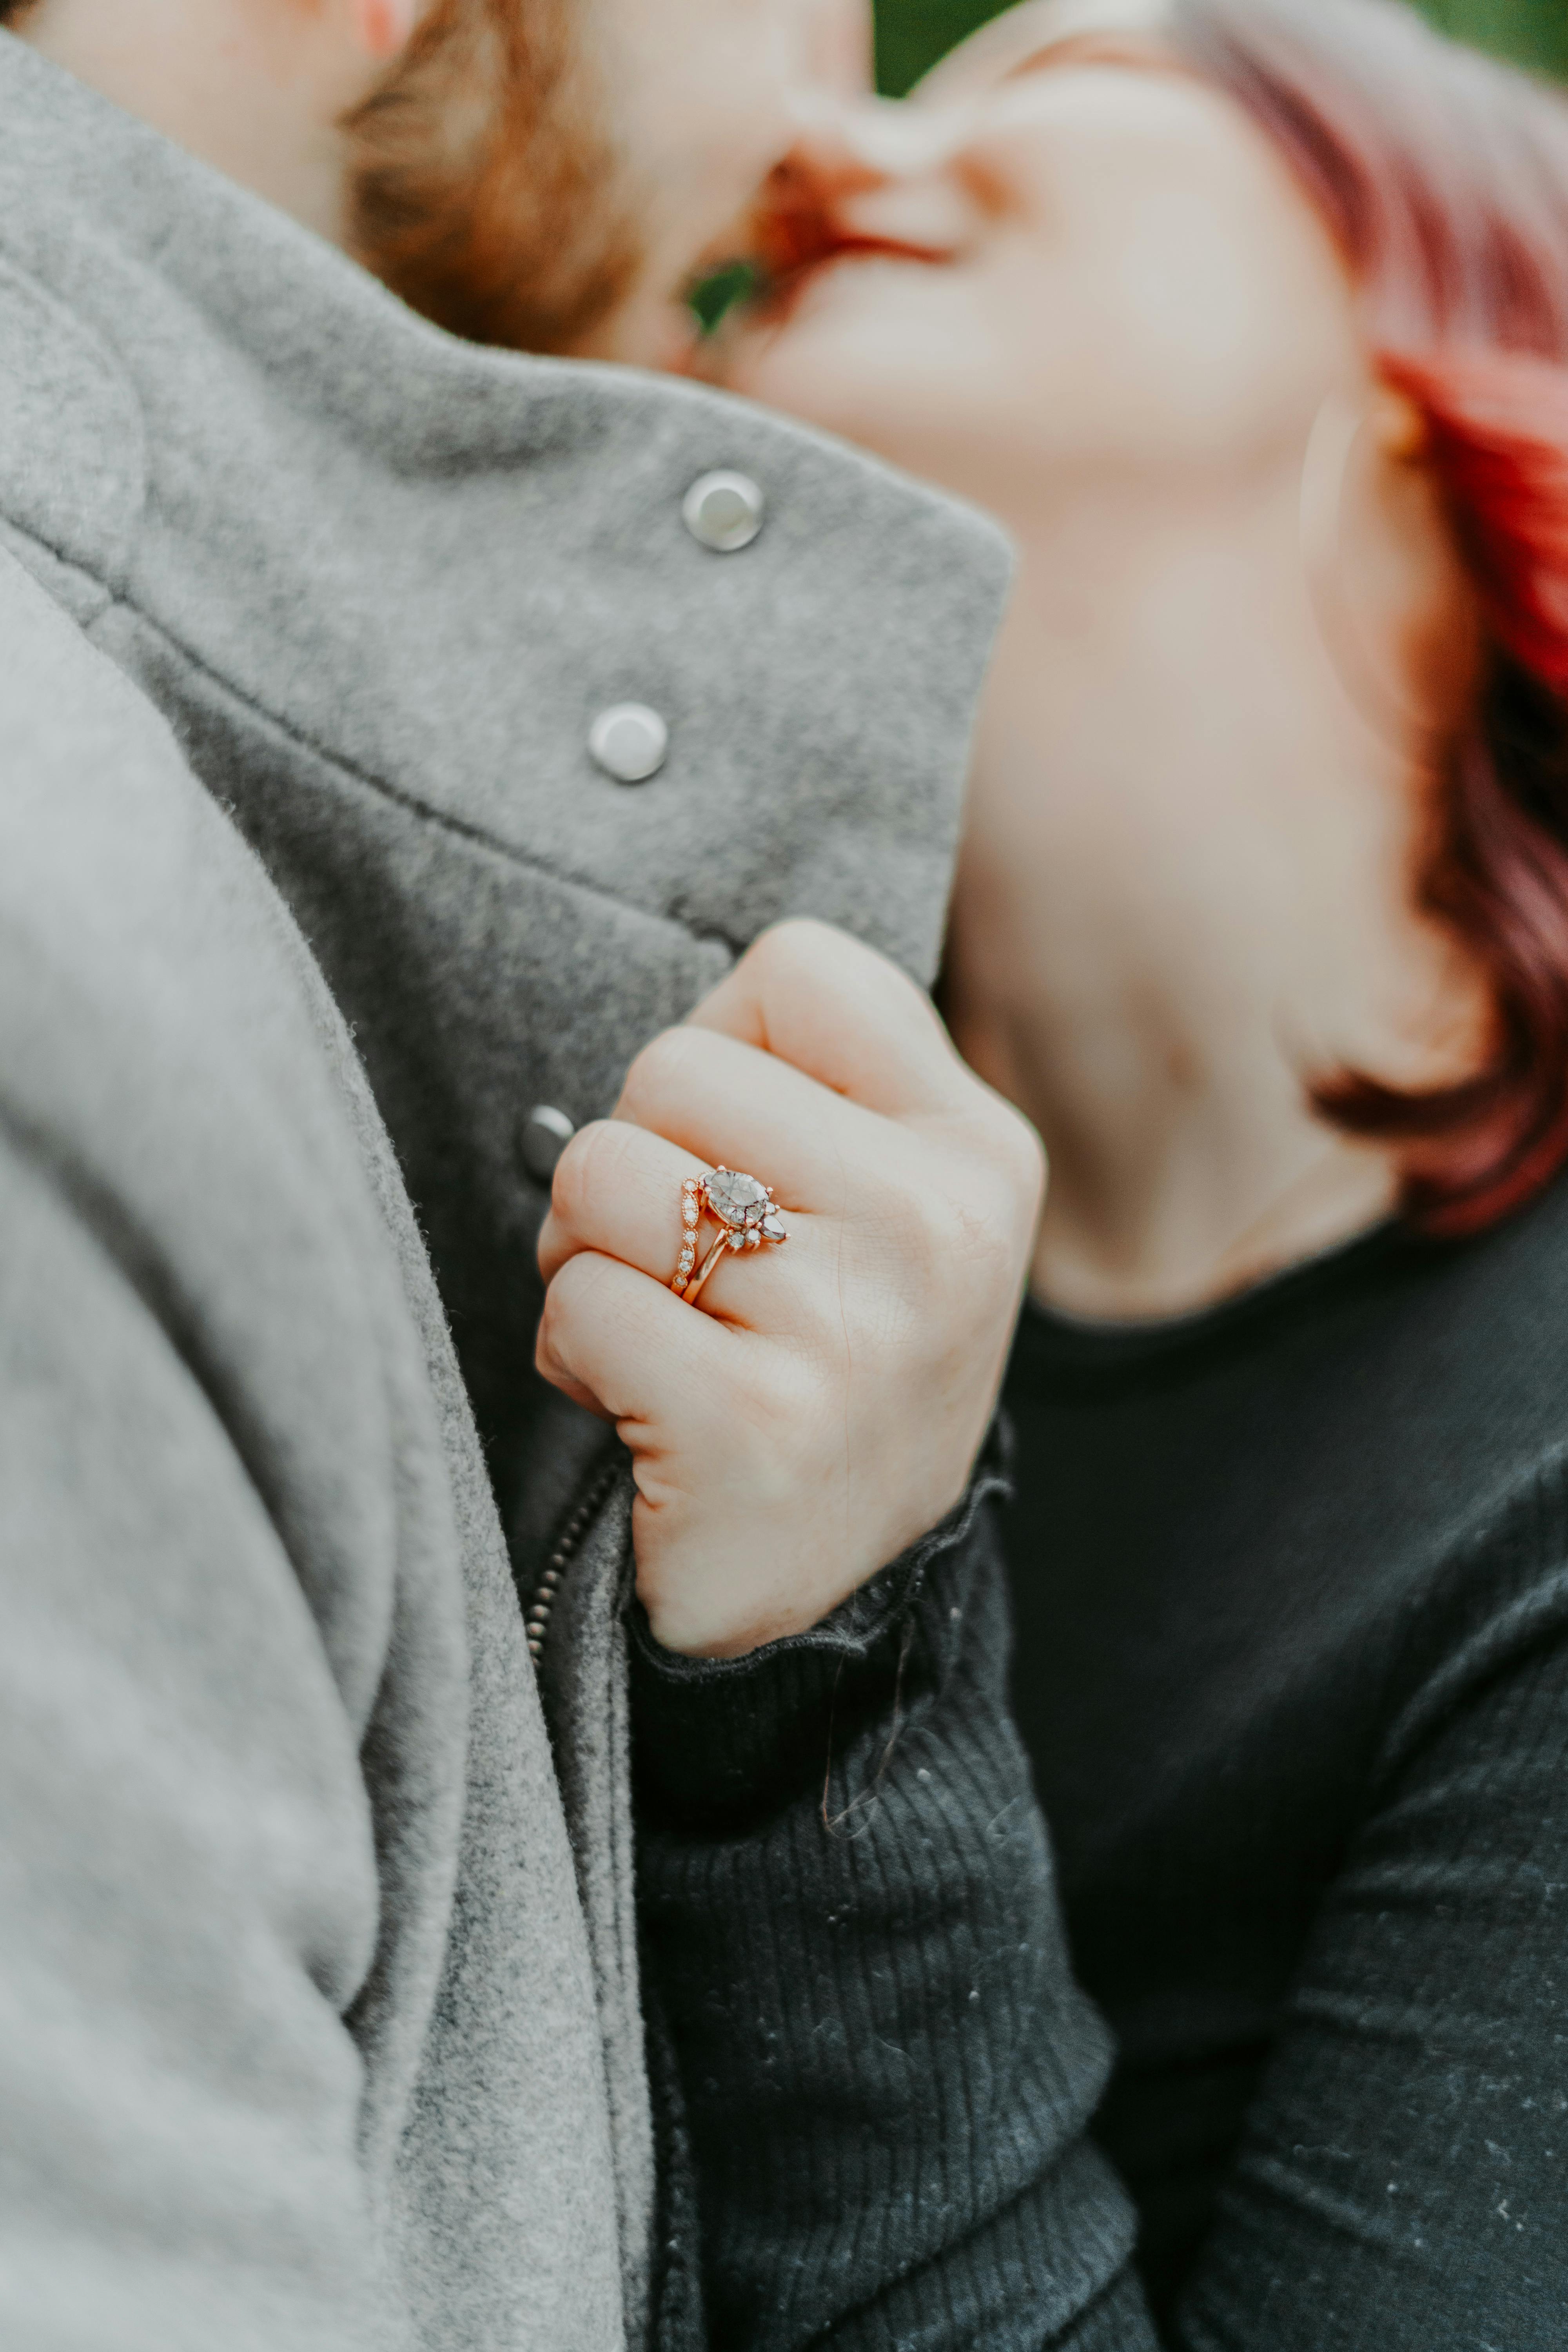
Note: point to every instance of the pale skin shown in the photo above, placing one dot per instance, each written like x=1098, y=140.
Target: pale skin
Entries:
x=702, y=97
x=1082, y=289
x=256, y=88
x=824, y=1405
x=821, y=1410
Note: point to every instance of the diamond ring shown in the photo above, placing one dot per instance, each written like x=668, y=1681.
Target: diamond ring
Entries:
x=744, y=1211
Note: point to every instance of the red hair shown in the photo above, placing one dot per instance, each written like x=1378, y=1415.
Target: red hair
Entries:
x=1444, y=178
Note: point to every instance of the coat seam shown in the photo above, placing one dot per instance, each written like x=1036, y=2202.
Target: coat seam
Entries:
x=112, y=369
x=462, y=828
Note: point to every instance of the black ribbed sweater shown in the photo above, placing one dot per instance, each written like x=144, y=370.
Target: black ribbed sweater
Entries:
x=1293, y=1591
x=856, y=1984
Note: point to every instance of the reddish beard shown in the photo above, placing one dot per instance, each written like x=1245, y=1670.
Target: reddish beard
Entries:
x=485, y=186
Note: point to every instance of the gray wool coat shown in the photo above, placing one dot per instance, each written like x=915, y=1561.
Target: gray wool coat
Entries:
x=319, y=2020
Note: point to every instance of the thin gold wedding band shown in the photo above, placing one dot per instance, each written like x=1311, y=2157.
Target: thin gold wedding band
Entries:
x=692, y=1291
x=743, y=1210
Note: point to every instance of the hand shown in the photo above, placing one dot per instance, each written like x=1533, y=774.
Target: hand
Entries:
x=823, y=1405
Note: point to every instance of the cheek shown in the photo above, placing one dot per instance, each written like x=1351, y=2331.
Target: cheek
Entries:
x=705, y=88
x=1188, y=323
x=1133, y=336
x=917, y=374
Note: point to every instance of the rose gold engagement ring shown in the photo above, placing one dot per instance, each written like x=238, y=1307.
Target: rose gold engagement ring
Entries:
x=744, y=1213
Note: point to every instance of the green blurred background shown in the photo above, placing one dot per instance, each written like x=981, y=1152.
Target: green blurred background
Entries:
x=913, y=34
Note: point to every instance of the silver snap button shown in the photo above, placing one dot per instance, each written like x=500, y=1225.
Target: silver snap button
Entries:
x=629, y=742
x=545, y=1134
x=723, y=511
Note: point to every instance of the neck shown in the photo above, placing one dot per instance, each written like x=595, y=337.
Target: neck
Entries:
x=257, y=92
x=1187, y=890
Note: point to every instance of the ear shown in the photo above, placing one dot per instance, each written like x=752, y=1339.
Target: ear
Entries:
x=385, y=26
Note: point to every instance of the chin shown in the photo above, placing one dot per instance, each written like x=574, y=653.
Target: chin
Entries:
x=853, y=388
x=878, y=352
x=821, y=362
x=788, y=381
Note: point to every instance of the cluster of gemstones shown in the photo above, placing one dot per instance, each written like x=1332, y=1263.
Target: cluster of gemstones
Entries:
x=744, y=1207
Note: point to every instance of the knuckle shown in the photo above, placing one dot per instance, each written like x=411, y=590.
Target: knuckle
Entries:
x=1006, y=1158
x=579, y=1172
x=658, y=1075
x=949, y=1236
x=803, y=949
x=774, y=1413
x=783, y=946
x=566, y=1299
x=1022, y=1155
x=924, y=1218
x=579, y=1280
x=550, y=1333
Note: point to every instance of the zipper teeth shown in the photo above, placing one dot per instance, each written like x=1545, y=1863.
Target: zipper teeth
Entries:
x=537, y=1624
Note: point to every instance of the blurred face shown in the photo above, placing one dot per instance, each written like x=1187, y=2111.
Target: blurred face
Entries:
x=1060, y=256
x=555, y=173
x=702, y=101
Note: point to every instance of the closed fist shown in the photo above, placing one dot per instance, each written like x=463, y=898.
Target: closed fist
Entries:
x=821, y=1405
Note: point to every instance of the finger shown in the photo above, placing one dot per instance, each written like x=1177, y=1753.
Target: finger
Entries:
x=573, y=1389
x=623, y=1343
x=741, y=1105
x=618, y=1191
x=616, y=1188
x=835, y=1008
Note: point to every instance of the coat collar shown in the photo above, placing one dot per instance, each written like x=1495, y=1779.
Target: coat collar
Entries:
x=435, y=565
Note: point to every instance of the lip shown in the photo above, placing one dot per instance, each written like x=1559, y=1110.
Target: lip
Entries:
x=787, y=287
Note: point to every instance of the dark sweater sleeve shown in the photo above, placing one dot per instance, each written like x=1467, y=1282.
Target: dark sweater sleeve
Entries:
x=884, y=2073
x=854, y=1954
x=1402, y=2182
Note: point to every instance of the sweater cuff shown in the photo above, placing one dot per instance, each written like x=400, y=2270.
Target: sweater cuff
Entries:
x=716, y=1739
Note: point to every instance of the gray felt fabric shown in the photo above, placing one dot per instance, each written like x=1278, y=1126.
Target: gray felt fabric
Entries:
x=318, y=1986
x=243, y=1509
